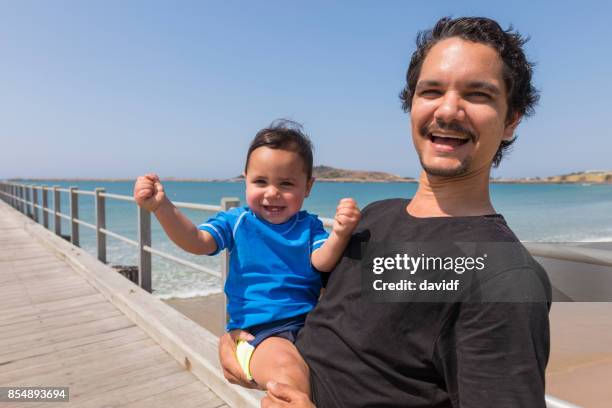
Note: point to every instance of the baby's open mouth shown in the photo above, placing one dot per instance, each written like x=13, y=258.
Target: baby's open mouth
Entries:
x=273, y=208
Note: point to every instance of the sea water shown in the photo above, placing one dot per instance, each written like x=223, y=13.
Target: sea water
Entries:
x=535, y=212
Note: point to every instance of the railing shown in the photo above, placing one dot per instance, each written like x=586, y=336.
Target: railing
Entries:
x=25, y=198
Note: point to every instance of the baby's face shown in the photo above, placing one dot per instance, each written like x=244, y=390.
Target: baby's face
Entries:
x=276, y=184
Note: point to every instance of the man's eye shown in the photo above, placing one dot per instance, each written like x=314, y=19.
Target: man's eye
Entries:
x=430, y=93
x=480, y=96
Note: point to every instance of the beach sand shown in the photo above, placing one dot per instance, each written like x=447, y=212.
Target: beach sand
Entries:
x=207, y=311
x=580, y=366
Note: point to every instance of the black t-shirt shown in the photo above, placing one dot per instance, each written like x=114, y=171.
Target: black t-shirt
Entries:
x=428, y=354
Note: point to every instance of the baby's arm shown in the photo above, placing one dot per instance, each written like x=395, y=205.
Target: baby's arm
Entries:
x=149, y=194
x=347, y=217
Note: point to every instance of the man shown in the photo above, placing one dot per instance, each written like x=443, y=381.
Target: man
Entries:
x=468, y=87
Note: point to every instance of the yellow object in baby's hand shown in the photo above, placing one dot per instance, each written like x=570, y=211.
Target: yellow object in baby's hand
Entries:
x=244, y=352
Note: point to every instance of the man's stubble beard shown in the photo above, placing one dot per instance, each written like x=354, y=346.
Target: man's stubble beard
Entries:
x=454, y=172
x=463, y=166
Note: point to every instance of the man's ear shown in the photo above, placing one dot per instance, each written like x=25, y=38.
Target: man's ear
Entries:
x=309, y=184
x=511, y=125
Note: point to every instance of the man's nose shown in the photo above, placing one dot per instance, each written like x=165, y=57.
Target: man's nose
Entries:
x=450, y=109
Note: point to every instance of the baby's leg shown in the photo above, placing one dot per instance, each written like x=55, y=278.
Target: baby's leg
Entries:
x=277, y=359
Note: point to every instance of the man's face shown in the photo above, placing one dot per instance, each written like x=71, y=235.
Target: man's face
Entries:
x=459, y=108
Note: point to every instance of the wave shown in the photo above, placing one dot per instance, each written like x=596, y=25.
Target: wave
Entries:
x=188, y=294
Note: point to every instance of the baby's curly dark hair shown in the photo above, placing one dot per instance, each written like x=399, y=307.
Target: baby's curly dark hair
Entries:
x=284, y=134
x=522, y=97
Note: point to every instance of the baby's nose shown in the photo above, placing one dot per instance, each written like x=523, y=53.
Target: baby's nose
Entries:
x=272, y=191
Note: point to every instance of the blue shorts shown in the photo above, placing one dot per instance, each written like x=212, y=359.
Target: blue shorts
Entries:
x=285, y=328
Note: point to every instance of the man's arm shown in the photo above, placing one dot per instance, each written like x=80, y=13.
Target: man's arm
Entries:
x=495, y=353
x=282, y=395
x=227, y=357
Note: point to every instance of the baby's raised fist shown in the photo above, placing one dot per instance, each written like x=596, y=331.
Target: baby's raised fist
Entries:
x=149, y=192
x=347, y=217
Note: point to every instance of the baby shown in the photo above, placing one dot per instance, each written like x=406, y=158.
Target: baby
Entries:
x=275, y=250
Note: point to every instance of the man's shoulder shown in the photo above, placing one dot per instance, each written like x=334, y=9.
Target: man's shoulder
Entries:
x=382, y=208
x=512, y=275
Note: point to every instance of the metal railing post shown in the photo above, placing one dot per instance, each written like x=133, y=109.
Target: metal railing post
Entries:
x=144, y=257
x=28, y=204
x=226, y=204
x=57, y=209
x=28, y=195
x=74, y=215
x=22, y=195
x=100, y=224
x=45, y=205
x=35, y=202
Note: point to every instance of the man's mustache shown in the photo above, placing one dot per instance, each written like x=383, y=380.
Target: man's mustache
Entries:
x=443, y=126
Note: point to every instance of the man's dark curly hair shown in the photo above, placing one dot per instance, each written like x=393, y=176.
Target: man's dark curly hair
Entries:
x=517, y=70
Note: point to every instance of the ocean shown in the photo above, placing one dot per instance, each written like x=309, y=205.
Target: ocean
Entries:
x=535, y=212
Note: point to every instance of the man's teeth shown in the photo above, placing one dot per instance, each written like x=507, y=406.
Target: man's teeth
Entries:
x=449, y=136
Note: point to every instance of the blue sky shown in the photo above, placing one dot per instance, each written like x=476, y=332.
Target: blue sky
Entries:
x=118, y=88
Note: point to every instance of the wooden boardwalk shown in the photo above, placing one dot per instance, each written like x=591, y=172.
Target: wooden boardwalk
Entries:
x=59, y=329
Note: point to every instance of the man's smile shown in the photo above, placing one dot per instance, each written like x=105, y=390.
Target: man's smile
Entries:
x=448, y=142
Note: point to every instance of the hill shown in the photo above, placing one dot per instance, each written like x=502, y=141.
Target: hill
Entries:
x=588, y=177
x=327, y=173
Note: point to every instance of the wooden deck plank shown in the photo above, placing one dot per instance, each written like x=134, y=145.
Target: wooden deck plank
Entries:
x=43, y=349
x=57, y=326
x=102, y=311
x=57, y=335
x=91, y=387
x=12, y=303
x=122, y=396
x=190, y=395
x=94, y=364
x=65, y=294
x=71, y=348
x=24, y=288
x=52, y=308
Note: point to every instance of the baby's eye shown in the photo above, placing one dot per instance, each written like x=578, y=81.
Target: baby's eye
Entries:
x=260, y=182
x=287, y=184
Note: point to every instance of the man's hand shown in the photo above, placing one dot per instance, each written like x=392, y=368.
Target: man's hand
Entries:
x=347, y=217
x=149, y=192
x=283, y=395
x=227, y=357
